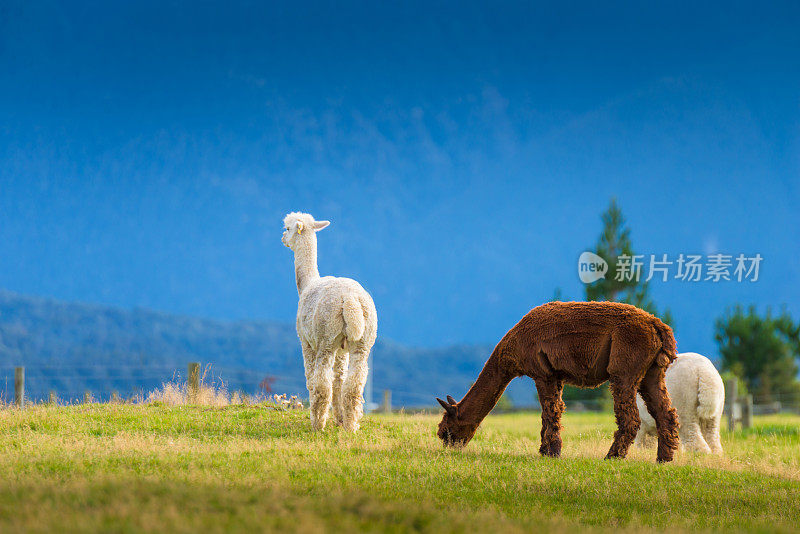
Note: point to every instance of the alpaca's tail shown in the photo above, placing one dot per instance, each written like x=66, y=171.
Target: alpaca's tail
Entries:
x=353, y=318
x=709, y=403
x=669, y=350
x=710, y=394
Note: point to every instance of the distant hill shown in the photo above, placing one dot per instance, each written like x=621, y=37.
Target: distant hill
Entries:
x=74, y=347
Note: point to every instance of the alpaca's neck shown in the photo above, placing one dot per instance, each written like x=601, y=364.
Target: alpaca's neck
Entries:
x=305, y=262
x=487, y=389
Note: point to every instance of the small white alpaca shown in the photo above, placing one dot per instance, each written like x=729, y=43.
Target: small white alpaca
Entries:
x=337, y=325
x=698, y=395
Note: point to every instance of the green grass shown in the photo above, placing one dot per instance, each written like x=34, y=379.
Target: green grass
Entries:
x=130, y=468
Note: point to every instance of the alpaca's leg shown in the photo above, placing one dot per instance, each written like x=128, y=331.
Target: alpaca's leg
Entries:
x=710, y=430
x=647, y=428
x=322, y=389
x=691, y=435
x=641, y=437
x=549, y=392
x=339, y=371
x=627, y=415
x=309, y=357
x=353, y=390
x=656, y=398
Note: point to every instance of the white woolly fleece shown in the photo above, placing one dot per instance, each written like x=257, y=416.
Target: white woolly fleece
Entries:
x=337, y=325
x=698, y=395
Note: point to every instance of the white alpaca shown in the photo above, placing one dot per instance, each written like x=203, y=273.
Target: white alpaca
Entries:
x=337, y=325
x=698, y=395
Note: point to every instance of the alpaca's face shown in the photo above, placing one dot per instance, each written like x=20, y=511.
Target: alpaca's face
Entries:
x=299, y=225
x=286, y=238
x=292, y=231
x=455, y=433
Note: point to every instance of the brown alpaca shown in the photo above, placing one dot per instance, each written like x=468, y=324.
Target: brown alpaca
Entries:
x=584, y=344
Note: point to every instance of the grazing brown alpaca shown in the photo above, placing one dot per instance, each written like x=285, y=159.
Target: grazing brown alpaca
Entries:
x=584, y=344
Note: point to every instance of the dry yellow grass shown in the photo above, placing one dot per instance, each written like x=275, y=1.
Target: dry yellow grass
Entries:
x=212, y=393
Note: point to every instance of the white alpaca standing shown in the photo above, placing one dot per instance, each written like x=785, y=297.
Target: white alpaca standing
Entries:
x=336, y=323
x=698, y=395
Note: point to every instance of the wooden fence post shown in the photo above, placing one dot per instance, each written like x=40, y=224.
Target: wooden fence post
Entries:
x=87, y=397
x=387, y=400
x=731, y=397
x=747, y=412
x=19, y=386
x=194, y=382
x=51, y=399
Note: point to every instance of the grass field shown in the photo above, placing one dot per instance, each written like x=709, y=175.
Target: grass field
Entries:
x=237, y=468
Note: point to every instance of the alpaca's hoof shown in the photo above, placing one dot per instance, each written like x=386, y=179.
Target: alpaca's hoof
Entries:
x=318, y=424
x=550, y=454
x=551, y=451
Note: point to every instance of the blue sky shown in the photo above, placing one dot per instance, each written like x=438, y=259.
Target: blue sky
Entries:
x=463, y=153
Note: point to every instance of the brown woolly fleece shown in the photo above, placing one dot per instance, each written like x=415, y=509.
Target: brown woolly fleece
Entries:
x=583, y=344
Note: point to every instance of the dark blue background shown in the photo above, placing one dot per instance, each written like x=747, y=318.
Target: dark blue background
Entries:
x=464, y=153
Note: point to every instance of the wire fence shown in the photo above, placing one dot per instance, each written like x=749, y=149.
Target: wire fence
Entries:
x=776, y=403
x=70, y=384
x=73, y=383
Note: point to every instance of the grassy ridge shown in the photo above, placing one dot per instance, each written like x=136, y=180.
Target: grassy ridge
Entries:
x=128, y=468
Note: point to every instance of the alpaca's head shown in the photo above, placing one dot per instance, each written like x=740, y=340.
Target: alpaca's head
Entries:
x=453, y=430
x=298, y=227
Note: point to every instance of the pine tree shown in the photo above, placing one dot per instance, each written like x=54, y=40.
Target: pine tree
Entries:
x=615, y=241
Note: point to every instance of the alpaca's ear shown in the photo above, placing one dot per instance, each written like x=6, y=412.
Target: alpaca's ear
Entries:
x=319, y=225
x=449, y=408
x=451, y=400
x=299, y=228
